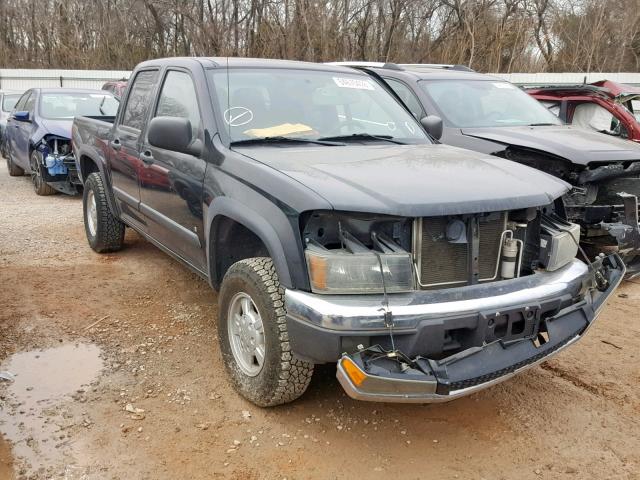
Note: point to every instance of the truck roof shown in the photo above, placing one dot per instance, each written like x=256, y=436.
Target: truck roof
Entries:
x=603, y=87
x=422, y=71
x=235, y=62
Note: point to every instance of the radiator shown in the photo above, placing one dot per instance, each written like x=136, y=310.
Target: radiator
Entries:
x=441, y=263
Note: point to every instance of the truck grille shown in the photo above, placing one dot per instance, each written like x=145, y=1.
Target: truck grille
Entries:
x=443, y=263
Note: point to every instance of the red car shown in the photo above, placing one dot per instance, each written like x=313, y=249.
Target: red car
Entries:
x=117, y=87
x=608, y=107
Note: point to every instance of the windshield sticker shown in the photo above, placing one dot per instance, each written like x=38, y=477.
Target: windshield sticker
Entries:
x=355, y=83
x=238, y=116
x=280, y=130
x=503, y=85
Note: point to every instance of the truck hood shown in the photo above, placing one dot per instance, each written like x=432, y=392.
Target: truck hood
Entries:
x=411, y=180
x=61, y=128
x=572, y=143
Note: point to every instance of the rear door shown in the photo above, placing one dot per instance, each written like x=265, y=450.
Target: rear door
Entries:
x=125, y=142
x=171, y=182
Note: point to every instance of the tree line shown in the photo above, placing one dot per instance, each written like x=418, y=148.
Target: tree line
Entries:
x=487, y=35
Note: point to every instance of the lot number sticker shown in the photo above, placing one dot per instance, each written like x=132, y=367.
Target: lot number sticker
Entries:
x=356, y=83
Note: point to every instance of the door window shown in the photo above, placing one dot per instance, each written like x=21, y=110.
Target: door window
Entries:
x=30, y=104
x=136, y=110
x=21, y=103
x=178, y=99
x=407, y=97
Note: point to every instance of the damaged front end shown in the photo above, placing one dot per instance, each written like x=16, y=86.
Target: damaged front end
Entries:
x=58, y=164
x=432, y=308
x=603, y=201
x=529, y=337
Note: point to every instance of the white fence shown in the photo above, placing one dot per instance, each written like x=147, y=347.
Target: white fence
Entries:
x=23, y=79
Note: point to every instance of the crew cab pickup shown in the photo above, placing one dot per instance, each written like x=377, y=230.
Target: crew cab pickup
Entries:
x=337, y=231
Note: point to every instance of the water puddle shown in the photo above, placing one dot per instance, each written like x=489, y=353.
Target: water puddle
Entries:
x=36, y=420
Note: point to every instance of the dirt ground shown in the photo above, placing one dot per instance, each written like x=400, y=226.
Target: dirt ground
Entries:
x=118, y=376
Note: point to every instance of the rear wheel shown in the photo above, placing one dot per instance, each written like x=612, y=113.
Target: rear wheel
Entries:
x=39, y=185
x=105, y=232
x=252, y=332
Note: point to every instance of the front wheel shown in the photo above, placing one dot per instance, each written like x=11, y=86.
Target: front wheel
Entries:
x=39, y=185
x=14, y=170
x=252, y=332
x=105, y=232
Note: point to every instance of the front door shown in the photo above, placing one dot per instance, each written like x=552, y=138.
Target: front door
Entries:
x=21, y=132
x=171, y=182
x=125, y=144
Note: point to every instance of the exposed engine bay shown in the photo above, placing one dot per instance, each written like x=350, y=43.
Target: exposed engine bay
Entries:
x=346, y=252
x=59, y=164
x=603, y=201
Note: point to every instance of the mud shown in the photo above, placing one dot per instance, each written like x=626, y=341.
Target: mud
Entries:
x=44, y=380
x=145, y=395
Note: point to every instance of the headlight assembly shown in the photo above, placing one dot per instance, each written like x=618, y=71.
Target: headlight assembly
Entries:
x=558, y=241
x=341, y=272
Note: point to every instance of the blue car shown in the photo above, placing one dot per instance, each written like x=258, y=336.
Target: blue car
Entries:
x=8, y=101
x=38, y=135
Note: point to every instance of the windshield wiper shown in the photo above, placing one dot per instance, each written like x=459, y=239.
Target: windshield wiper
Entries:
x=283, y=139
x=364, y=136
x=541, y=124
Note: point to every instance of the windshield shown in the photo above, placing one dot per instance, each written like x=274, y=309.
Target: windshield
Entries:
x=69, y=105
x=9, y=102
x=312, y=105
x=635, y=104
x=482, y=103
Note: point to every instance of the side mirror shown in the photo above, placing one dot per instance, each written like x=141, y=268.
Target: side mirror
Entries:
x=174, y=134
x=21, y=116
x=433, y=125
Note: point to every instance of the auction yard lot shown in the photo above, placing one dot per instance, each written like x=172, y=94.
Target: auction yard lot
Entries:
x=118, y=376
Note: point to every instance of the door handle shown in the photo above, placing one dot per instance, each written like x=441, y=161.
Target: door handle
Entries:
x=115, y=144
x=147, y=157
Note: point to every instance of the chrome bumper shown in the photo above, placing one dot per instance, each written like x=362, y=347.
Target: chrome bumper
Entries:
x=325, y=319
x=364, y=312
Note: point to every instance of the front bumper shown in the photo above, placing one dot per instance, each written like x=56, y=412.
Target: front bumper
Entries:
x=449, y=338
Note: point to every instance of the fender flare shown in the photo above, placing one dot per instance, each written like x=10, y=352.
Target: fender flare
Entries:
x=93, y=156
x=224, y=206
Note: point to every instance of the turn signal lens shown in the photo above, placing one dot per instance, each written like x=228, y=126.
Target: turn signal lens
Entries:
x=317, y=272
x=354, y=373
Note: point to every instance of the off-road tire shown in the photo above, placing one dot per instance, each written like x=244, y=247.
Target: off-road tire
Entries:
x=39, y=185
x=109, y=234
x=283, y=377
x=14, y=170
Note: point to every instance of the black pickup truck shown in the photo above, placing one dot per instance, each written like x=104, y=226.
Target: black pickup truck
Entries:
x=336, y=230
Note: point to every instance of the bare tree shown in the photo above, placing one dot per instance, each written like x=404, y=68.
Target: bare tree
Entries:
x=489, y=35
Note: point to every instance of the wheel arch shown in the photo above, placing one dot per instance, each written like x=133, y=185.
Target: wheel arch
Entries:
x=234, y=233
x=87, y=163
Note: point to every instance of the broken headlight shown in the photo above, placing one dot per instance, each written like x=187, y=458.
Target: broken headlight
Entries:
x=351, y=254
x=558, y=241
